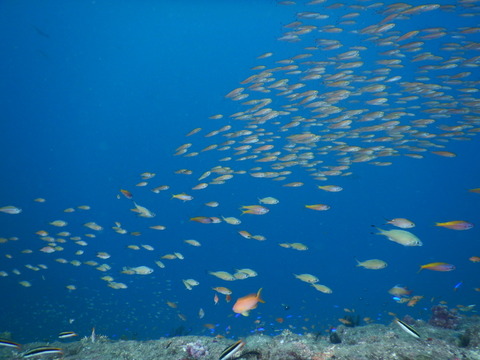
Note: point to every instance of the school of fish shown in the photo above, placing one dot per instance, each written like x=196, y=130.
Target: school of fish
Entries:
x=345, y=99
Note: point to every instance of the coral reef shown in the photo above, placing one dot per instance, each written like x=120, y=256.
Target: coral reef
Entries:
x=444, y=318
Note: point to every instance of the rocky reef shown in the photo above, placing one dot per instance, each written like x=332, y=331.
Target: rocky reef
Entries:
x=444, y=317
x=370, y=342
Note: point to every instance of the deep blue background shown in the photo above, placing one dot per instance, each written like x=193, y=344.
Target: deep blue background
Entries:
x=93, y=94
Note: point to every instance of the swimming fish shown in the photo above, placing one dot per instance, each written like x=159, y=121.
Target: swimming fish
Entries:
x=309, y=278
x=399, y=291
x=401, y=223
x=268, y=200
x=222, y=290
x=401, y=237
x=212, y=203
x=192, y=242
x=373, y=264
x=190, y=283
x=244, y=304
x=8, y=343
x=318, y=207
x=245, y=234
x=182, y=196
x=322, y=288
x=10, y=210
x=59, y=223
x=457, y=286
x=143, y=211
x=456, y=225
x=222, y=275
x=437, y=266
x=331, y=188
x=206, y=220
x=254, y=209
x=231, y=220
x=407, y=328
x=231, y=350
x=94, y=226
x=127, y=194
x=41, y=350
x=67, y=334
x=140, y=270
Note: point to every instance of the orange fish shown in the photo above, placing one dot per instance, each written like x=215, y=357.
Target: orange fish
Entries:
x=474, y=259
x=413, y=301
x=244, y=304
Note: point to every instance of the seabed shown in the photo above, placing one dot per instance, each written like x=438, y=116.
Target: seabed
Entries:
x=370, y=342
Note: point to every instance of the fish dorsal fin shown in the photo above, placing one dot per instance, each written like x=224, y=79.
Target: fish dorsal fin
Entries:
x=258, y=296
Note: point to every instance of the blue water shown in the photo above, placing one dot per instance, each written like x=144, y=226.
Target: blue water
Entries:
x=95, y=93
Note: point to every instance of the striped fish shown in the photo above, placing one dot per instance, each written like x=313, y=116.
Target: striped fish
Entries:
x=8, y=343
x=232, y=350
x=41, y=350
x=66, y=334
x=407, y=328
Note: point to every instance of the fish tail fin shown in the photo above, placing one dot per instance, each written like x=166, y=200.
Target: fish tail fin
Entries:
x=438, y=224
x=381, y=231
x=421, y=268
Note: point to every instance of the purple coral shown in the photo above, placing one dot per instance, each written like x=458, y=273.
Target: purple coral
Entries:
x=196, y=350
x=444, y=317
